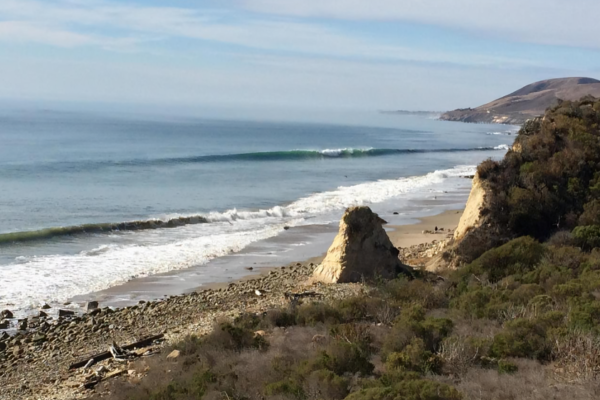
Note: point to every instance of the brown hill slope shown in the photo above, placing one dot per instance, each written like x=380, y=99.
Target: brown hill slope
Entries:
x=527, y=102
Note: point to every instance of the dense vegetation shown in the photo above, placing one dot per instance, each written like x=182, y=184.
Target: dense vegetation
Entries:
x=521, y=320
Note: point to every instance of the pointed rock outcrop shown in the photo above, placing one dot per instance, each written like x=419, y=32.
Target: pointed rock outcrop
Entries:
x=361, y=250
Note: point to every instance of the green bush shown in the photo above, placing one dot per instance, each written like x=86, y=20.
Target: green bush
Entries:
x=416, y=358
x=518, y=256
x=420, y=389
x=585, y=314
x=524, y=293
x=412, y=323
x=326, y=385
x=521, y=338
x=507, y=367
x=285, y=387
x=341, y=358
x=588, y=237
x=314, y=313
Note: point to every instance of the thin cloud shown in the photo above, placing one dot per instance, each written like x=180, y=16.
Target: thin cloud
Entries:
x=69, y=23
x=554, y=22
x=16, y=31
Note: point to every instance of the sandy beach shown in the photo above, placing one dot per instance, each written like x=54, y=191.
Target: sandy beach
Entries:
x=412, y=235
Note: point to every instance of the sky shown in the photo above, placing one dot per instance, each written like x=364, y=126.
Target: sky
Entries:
x=269, y=56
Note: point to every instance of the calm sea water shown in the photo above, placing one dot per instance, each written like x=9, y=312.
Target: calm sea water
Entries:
x=88, y=202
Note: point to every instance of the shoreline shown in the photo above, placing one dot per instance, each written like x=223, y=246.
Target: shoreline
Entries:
x=41, y=356
x=260, y=258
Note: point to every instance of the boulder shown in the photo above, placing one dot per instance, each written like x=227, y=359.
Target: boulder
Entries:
x=4, y=324
x=22, y=324
x=361, y=250
x=91, y=305
x=6, y=314
x=65, y=313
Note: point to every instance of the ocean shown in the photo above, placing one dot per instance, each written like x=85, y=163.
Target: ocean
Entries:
x=92, y=201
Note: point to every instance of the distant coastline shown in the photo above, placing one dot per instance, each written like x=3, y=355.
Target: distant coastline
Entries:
x=406, y=112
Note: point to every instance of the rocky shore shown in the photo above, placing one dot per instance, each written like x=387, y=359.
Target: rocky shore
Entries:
x=34, y=363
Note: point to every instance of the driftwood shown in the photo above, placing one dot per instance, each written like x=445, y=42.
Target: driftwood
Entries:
x=107, y=354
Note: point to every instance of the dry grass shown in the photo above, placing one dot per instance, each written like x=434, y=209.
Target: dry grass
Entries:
x=577, y=358
x=532, y=382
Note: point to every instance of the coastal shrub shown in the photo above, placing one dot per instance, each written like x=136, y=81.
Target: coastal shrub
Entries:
x=524, y=293
x=585, y=314
x=588, y=237
x=551, y=182
x=561, y=239
x=342, y=358
x=417, y=389
x=352, y=309
x=416, y=358
x=285, y=387
x=413, y=324
x=515, y=257
x=486, y=168
x=228, y=336
x=324, y=384
x=279, y=318
x=318, y=312
x=591, y=210
x=521, y=338
x=357, y=334
x=507, y=367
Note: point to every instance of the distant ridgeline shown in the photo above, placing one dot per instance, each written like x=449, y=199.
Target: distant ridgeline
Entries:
x=547, y=185
x=406, y=112
x=528, y=102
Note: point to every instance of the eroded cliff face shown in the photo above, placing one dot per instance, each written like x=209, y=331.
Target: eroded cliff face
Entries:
x=361, y=250
x=469, y=233
x=471, y=216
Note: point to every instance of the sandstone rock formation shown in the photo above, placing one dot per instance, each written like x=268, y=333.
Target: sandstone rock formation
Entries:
x=471, y=216
x=360, y=250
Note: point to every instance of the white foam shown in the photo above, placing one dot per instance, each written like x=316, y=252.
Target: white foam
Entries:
x=502, y=147
x=339, y=152
x=59, y=277
x=29, y=281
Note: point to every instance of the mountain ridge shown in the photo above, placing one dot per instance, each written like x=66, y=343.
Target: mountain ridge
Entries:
x=527, y=102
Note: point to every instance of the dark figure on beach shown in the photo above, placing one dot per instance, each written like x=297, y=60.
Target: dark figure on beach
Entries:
x=436, y=229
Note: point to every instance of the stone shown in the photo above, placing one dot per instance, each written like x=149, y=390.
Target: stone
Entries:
x=46, y=307
x=95, y=312
x=174, y=355
x=361, y=250
x=6, y=314
x=39, y=338
x=91, y=305
x=42, y=314
x=4, y=324
x=22, y=324
x=65, y=313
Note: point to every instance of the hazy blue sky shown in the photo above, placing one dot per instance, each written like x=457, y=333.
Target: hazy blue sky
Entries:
x=262, y=54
